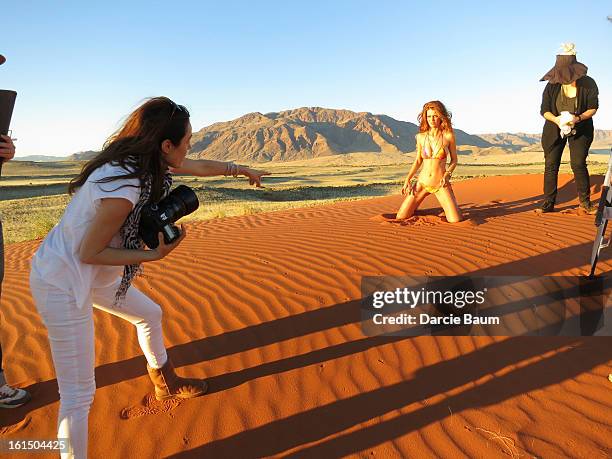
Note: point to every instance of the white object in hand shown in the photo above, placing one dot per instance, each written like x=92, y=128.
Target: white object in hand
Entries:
x=566, y=123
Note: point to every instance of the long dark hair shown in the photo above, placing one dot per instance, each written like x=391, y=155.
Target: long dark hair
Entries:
x=136, y=146
x=439, y=107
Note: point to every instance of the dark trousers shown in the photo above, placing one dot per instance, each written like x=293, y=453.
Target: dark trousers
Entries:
x=579, y=145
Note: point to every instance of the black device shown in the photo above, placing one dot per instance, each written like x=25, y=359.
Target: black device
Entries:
x=604, y=214
x=7, y=103
x=159, y=217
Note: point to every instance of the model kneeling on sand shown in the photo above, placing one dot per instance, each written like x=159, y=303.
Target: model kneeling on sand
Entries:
x=91, y=256
x=435, y=144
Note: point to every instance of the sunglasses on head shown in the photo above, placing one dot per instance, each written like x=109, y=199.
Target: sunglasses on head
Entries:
x=176, y=107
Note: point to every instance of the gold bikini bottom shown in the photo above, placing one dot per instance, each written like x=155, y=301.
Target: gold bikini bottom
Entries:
x=431, y=189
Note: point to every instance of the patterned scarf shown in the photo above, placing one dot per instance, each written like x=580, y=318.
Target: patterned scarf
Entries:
x=129, y=234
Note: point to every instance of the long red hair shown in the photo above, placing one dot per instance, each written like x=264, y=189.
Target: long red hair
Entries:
x=439, y=107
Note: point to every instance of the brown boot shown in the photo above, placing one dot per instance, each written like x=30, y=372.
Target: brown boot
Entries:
x=588, y=207
x=169, y=385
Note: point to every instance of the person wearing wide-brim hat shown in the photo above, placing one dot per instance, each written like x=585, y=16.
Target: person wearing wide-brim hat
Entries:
x=569, y=101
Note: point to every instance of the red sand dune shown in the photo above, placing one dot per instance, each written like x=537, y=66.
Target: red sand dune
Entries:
x=267, y=307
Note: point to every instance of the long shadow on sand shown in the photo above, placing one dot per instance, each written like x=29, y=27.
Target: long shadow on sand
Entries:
x=480, y=213
x=319, y=423
x=276, y=331
x=566, y=193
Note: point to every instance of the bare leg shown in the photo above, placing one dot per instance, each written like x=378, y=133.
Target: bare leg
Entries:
x=447, y=200
x=411, y=203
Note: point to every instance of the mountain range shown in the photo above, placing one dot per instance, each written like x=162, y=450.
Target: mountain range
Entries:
x=309, y=132
x=313, y=132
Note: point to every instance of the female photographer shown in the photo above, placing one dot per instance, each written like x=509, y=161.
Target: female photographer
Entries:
x=79, y=264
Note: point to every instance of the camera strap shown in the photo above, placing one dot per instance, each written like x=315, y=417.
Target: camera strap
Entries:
x=129, y=232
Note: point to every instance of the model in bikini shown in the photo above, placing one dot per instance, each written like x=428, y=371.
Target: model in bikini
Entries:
x=435, y=143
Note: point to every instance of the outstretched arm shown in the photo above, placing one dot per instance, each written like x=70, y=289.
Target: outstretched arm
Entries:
x=210, y=168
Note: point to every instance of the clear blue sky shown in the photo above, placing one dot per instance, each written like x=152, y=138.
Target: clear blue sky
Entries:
x=79, y=69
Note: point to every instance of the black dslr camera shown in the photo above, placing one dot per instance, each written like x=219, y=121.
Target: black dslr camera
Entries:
x=159, y=217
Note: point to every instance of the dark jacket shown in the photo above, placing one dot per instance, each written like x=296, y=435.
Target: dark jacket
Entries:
x=588, y=98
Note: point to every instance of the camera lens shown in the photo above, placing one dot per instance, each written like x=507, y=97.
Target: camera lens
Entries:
x=185, y=201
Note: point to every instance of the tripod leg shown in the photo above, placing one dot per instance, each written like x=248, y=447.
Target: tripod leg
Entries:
x=603, y=203
x=601, y=232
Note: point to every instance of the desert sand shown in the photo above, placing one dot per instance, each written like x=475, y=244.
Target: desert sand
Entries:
x=267, y=307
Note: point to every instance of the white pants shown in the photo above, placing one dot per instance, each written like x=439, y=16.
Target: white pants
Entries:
x=71, y=335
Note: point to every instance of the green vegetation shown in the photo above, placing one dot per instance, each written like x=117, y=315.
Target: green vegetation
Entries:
x=33, y=195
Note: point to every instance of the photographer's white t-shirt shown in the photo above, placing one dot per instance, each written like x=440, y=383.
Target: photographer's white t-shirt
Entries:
x=56, y=262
